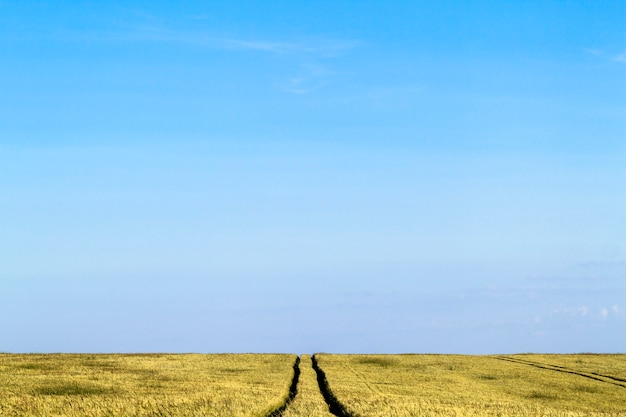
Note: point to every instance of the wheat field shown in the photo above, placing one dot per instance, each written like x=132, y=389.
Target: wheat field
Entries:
x=454, y=385
x=143, y=385
x=282, y=385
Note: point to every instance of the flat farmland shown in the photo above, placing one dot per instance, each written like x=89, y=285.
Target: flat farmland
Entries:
x=451, y=385
x=143, y=385
x=283, y=385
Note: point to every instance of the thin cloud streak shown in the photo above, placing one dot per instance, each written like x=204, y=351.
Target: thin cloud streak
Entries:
x=601, y=313
x=620, y=57
x=158, y=34
x=311, y=78
x=320, y=48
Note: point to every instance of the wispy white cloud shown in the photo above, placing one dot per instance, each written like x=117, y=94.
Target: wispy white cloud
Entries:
x=302, y=85
x=306, y=79
x=255, y=45
x=159, y=34
x=156, y=33
x=151, y=29
x=615, y=57
x=324, y=48
x=603, y=264
x=585, y=312
x=307, y=68
x=593, y=51
x=620, y=57
x=310, y=78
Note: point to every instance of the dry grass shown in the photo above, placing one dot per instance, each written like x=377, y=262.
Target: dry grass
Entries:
x=143, y=385
x=452, y=385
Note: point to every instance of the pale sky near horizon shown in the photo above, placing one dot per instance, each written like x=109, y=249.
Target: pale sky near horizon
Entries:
x=339, y=176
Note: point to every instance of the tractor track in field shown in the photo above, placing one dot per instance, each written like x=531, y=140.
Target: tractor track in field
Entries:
x=613, y=378
x=334, y=405
x=591, y=375
x=293, y=390
x=364, y=380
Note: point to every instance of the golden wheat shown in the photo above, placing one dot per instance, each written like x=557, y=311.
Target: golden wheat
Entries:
x=455, y=385
x=143, y=385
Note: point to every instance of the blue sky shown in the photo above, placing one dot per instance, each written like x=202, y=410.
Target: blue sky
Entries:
x=334, y=176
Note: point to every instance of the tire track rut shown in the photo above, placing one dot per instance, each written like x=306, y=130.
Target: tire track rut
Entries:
x=591, y=375
x=334, y=405
x=570, y=369
x=293, y=391
x=364, y=380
